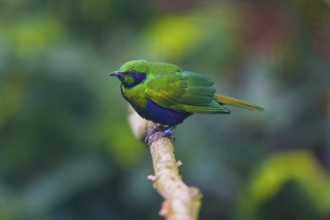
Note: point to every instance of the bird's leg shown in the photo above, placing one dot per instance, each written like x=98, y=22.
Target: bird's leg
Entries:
x=158, y=132
x=168, y=133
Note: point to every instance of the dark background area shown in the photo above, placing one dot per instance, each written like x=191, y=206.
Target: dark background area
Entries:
x=67, y=151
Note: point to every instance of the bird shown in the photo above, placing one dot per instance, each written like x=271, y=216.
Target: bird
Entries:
x=166, y=95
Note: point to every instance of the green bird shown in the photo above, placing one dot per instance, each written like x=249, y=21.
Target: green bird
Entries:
x=167, y=95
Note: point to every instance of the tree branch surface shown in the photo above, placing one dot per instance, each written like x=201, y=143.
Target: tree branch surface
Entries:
x=181, y=202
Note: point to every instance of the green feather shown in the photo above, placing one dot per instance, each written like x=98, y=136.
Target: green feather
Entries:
x=182, y=91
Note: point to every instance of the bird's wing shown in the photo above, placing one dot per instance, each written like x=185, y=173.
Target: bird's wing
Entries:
x=184, y=92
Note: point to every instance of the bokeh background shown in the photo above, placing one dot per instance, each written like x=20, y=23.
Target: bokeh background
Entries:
x=67, y=151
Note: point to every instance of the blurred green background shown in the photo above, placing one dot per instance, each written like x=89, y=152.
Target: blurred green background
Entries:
x=67, y=152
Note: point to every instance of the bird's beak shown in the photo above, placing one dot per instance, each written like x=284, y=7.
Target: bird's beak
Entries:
x=115, y=73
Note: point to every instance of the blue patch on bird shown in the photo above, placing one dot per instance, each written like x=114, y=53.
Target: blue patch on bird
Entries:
x=161, y=115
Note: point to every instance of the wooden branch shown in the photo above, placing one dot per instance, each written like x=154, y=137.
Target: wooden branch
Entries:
x=181, y=202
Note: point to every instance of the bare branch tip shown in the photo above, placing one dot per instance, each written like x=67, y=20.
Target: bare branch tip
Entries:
x=179, y=163
x=152, y=178
x=195, y=192
x=165, y=209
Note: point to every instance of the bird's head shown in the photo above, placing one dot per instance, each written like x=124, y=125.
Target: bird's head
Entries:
x=132, y=73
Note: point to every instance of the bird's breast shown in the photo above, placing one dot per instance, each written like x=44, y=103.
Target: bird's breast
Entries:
x=135, y=97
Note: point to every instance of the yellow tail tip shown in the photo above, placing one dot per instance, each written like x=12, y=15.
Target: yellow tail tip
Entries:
x=227, y=100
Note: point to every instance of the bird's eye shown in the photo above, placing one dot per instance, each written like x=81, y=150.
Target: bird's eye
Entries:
x=135, y=74
x=138, y=76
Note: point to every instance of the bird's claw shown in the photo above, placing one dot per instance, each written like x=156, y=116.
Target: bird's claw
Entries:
x=158, y=132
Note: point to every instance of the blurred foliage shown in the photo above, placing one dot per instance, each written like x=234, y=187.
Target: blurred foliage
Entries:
x=298, y=166
x=67, y=152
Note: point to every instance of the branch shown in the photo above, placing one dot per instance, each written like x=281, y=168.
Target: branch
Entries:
x=181, y=202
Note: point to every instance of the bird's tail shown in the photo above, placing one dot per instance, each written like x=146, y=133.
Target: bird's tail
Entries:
x=222, y=99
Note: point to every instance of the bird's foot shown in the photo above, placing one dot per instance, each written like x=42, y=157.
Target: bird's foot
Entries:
x=158, y=132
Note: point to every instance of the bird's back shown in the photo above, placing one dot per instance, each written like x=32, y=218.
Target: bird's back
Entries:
x=159, y=69
x=171, y=87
